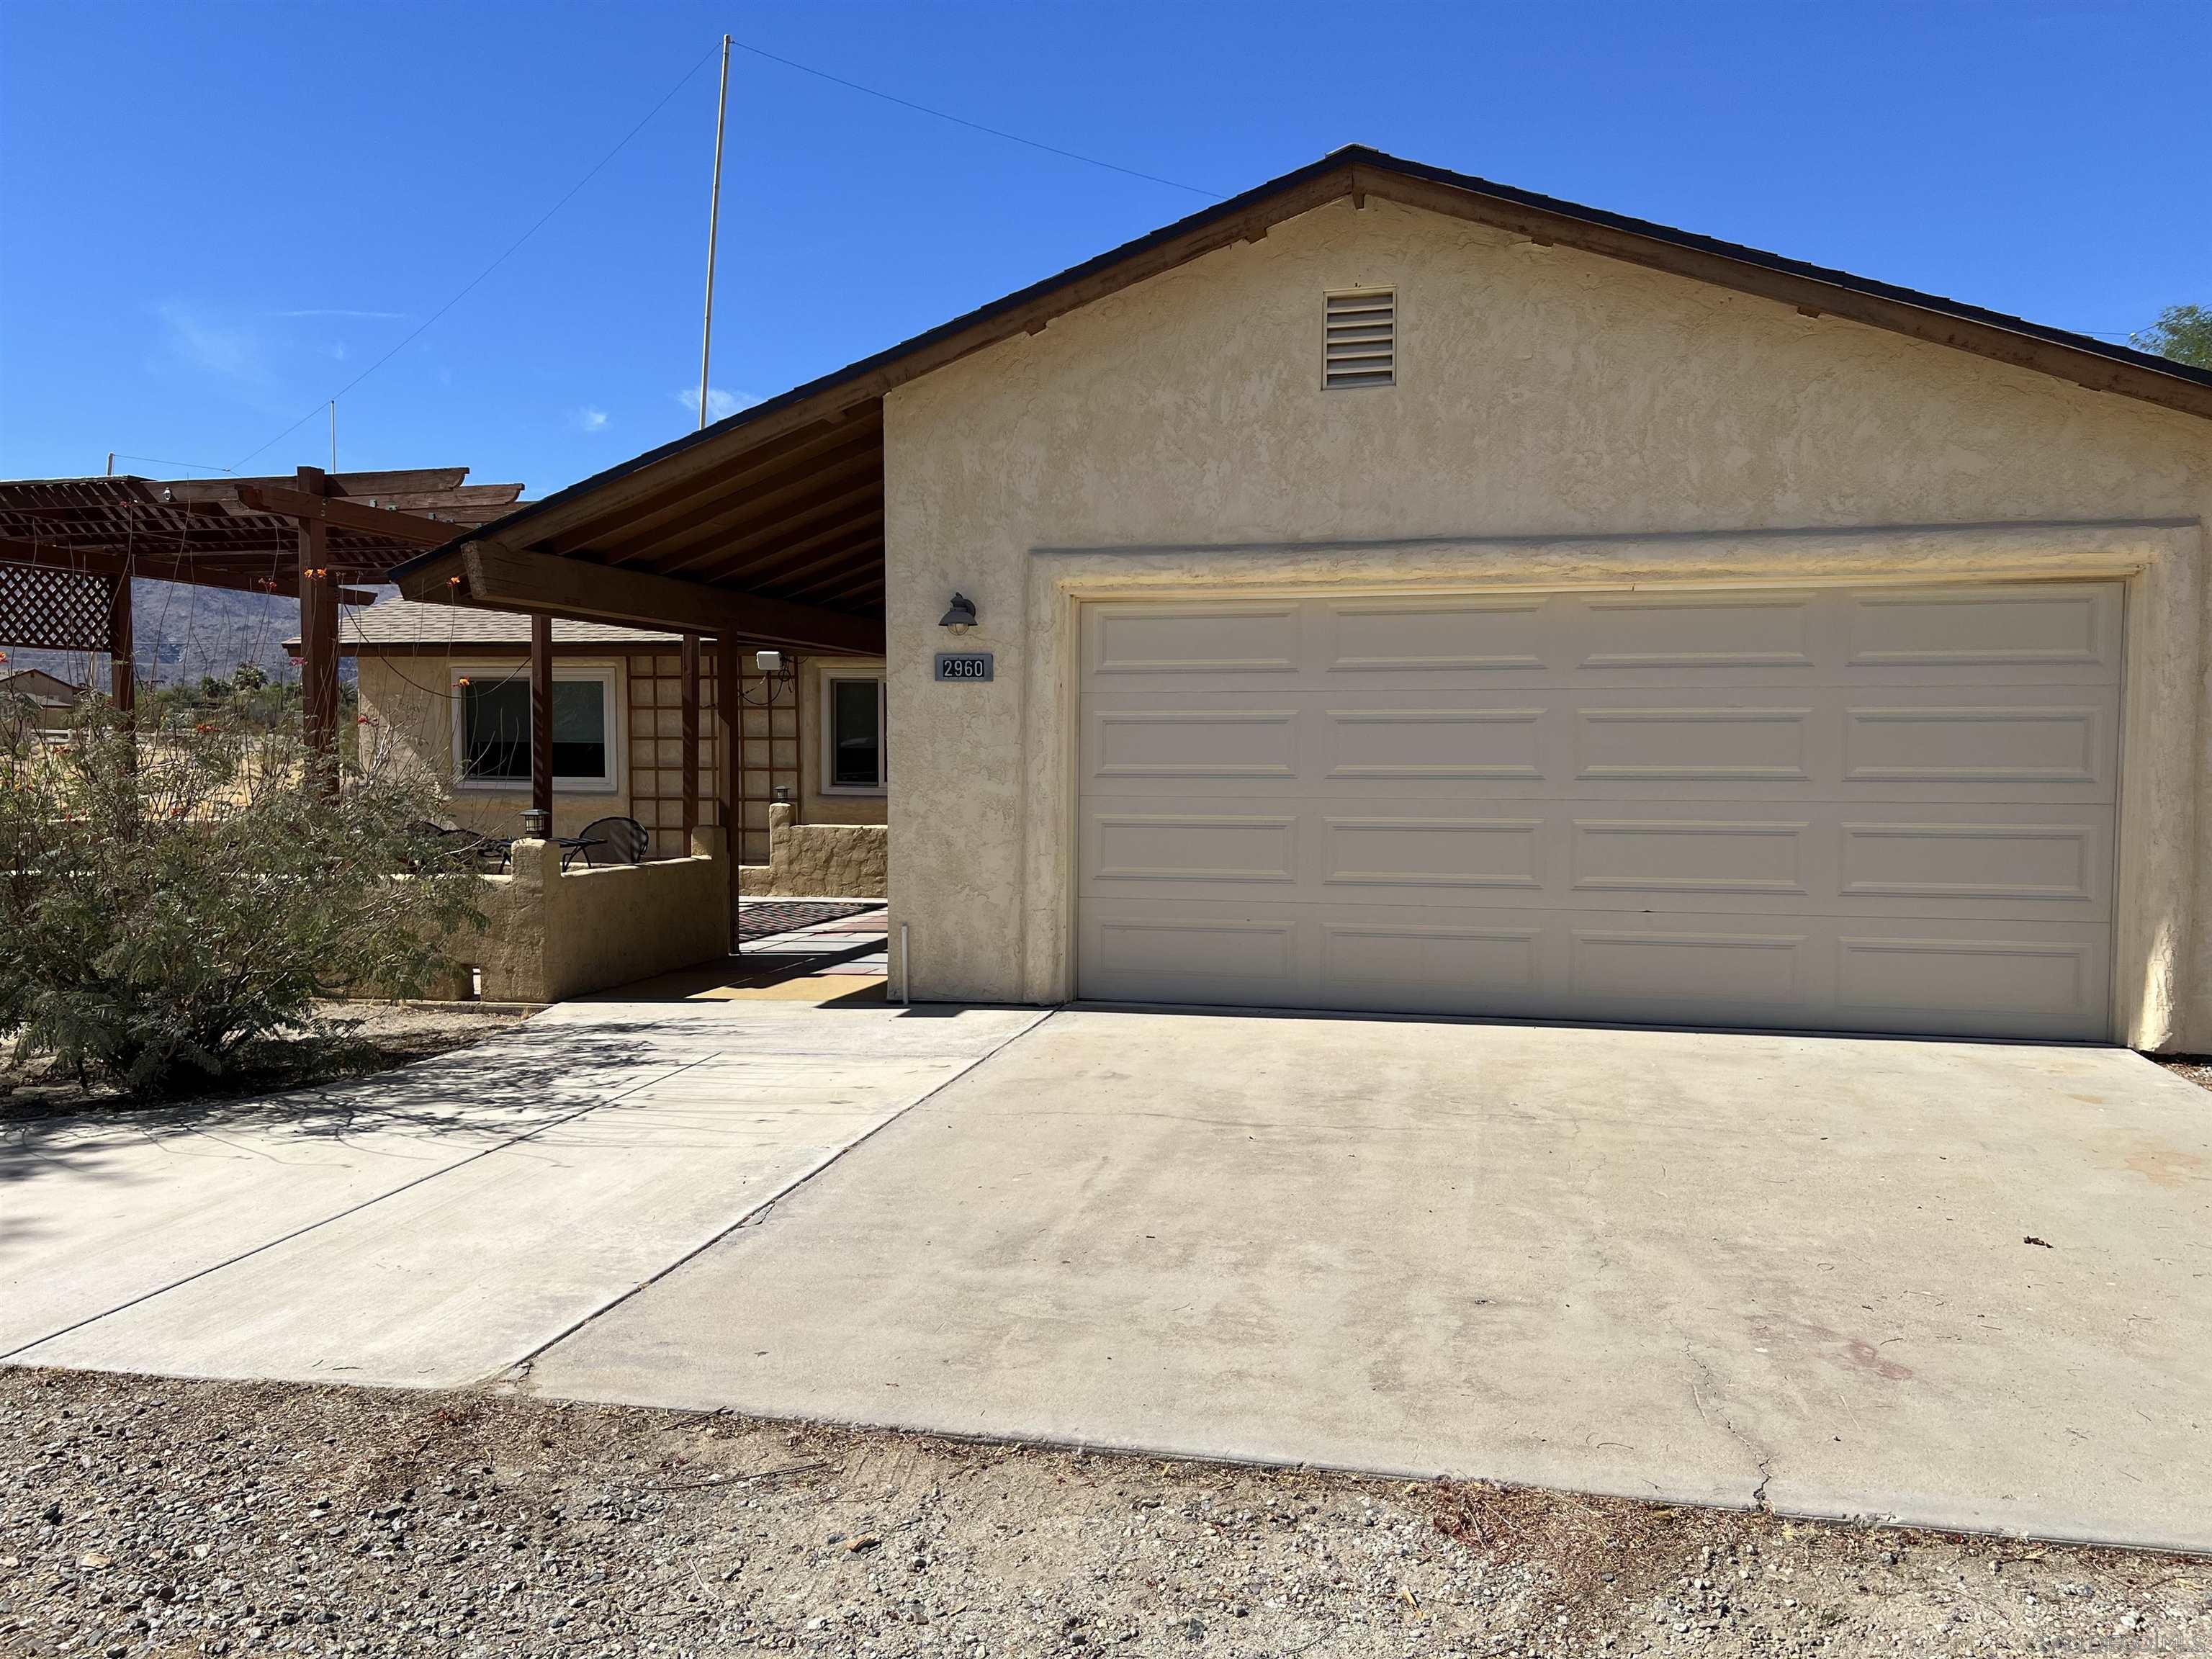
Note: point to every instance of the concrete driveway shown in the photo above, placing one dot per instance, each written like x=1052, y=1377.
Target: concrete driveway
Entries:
x=1962, y=1285
x=436, y=1226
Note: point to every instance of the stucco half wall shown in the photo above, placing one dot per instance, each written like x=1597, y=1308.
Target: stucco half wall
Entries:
x=554, y=932
x=1561, y=420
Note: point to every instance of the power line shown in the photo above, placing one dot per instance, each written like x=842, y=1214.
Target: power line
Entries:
x=189, y=467
x=977, y=126
x=600, y=167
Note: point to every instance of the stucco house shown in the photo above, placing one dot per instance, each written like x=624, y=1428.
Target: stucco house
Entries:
x=38, y=700
x=447, y=687
x=1394, y=591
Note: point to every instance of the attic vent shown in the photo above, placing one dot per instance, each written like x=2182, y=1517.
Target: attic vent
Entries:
x=1360, y=339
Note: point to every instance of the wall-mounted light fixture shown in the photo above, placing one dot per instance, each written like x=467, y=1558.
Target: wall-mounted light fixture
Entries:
x=960, y=616
x=769, y=662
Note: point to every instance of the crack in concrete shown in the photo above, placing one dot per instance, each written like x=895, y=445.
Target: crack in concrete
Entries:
x=1761, y=1458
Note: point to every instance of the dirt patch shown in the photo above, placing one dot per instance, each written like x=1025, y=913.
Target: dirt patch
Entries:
x=144, y=1518
x=365, y=1037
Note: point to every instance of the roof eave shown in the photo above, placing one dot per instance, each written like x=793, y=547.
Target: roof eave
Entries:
x=1359, y=171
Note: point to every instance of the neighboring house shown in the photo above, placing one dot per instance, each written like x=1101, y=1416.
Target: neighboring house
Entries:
x=43, y=701
x=448, y=687
x=1406, y=592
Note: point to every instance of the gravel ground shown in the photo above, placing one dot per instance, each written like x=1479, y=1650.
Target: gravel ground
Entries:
x=2197, y=1068
x=367, y=1037
x=140, y=1516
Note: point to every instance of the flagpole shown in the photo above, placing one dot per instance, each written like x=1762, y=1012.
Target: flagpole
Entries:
x=714, y=226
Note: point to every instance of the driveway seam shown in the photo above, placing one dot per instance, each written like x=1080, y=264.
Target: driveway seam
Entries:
x=517, y=1372
x=352, y=1209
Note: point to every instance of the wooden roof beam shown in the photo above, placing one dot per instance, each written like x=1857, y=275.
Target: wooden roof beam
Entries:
x=382, y=522
x=827, y=444
x=829, y=513
x=545, y=583
x=755, y=513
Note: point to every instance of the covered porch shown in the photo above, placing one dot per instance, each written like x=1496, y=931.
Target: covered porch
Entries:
x=755, y=545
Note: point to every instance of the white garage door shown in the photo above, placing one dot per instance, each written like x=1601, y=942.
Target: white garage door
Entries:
x=1884, y=810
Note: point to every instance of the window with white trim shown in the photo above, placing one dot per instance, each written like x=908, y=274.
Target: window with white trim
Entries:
x=491, y=728
x=855, y=754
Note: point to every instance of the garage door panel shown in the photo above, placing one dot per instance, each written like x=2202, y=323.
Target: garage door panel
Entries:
x=2046, y=634
x=1392, y=746
x=1923, y=976
x=1707, y=858
x=1984, y=861
x=1428, y=850
x=1190, y=746
x=1968, y=978
x=2030, y=863
x=1421, y=639
x=1750, y=742
x=1196, y=845
x=1140, y=953
x=1651, y=967
x=1195, y=643
x=1678, y=632
x=1882, y=811
x=2028, y=747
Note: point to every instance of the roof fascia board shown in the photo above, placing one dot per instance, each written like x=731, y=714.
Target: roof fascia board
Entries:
x=1801, y=288
x=501, y=578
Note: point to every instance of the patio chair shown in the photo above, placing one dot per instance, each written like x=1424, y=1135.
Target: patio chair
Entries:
x=606, y=842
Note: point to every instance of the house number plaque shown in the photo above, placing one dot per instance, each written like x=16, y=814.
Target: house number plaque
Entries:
x=964, y=666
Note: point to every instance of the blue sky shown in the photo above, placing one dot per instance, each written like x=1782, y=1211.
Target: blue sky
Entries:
x=213, y=218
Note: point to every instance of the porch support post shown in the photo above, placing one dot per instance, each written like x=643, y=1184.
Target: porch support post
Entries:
x=729, y=728
x=690, y=738
x=318, y=640
x=122, y=668
x=537, y=822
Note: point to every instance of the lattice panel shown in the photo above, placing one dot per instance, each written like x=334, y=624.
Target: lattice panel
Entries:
x=771, y=758
x=54, y=609
x=768, y=762
x=656, y=749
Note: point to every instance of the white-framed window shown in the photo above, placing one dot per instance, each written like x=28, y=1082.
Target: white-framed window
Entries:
x=855, y=752
x=491, y=727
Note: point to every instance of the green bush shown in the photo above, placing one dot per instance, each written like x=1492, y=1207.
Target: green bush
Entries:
x=174, y=903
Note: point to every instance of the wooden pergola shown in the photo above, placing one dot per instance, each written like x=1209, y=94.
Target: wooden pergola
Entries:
x=69, y=549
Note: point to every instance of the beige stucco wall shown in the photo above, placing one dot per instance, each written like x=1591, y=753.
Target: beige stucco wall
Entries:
x=1560, y=418
x=553, y=934
x=408, y=702
x=819, y=860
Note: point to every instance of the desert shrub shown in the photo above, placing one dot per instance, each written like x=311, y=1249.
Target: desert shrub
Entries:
x=173, y=903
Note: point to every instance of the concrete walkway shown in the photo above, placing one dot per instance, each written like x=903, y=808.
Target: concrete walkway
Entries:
x=1960, y=1284
x=437, y=1226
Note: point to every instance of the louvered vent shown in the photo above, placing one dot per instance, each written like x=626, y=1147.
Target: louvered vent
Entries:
x=1360, y=343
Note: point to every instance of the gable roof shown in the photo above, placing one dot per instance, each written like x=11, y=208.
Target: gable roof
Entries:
x=48, y=690
x=1359, y=173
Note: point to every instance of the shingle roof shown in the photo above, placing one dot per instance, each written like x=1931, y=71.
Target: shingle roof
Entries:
x=409, y=623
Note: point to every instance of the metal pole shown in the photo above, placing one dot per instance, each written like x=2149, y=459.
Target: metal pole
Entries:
x=334, y=434
x=713, y=228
